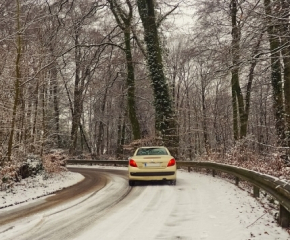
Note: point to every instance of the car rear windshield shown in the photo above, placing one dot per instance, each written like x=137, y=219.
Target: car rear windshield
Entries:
x=152, y=151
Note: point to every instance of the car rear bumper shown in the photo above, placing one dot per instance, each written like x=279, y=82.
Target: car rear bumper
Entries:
x=153, y=175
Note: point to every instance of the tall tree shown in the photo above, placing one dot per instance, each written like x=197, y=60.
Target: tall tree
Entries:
x=237, y=96
x=285, y=40
x=165, y=120
x=86, y=61
x=276, y=74
x=17, y=87
x=124, y=20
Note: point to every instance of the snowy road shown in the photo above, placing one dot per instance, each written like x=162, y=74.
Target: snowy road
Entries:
x=199, y=207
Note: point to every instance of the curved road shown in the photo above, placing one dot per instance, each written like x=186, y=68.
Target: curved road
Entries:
x=91, y=183
x=104, y=207
x=63, y=201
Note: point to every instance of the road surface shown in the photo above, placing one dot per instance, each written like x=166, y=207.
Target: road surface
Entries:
x=104, y=207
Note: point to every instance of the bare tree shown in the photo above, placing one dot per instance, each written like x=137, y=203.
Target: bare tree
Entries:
x=17, y=88
x=124, y=21
x=276, y=68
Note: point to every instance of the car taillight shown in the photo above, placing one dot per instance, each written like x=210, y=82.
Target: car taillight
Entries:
x=132, y=163
x=171, y=163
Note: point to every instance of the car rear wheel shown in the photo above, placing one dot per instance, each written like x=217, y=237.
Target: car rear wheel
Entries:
x=131, y=183
x=173, y=182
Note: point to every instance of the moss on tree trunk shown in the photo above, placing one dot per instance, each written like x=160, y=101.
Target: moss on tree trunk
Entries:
x=165, y=122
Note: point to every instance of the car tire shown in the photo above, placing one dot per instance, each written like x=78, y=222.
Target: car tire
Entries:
x=131, y=183
x=173, y=182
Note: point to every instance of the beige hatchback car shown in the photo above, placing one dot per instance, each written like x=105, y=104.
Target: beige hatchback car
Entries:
x=152, y=164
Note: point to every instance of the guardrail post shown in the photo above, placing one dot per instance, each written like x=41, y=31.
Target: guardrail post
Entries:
x=256, y=191
x=188, y=168
x=237, y=180
x=213, y=172
x=284, y=217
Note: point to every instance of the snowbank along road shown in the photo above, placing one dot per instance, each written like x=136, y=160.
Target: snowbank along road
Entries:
x=199, y=207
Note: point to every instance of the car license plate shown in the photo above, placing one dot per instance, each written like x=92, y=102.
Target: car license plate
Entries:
x=152, y=164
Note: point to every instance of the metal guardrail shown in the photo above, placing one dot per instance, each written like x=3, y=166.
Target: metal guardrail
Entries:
x=280, y=190
x=95, y=162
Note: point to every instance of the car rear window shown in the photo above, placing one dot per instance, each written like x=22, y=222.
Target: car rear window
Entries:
x=152, y=151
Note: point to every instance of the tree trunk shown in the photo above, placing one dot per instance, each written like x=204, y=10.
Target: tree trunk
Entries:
x=276, y=76
x=131, y=87
x=44, y=130
x=250, y=80
x=16, y=84
x=165, y=119
x=204, y=120
x=77, y=101
x=285, y=27
x=85, y=138
x=55, y=93
x=119, y=150
x=238, y=100
x=100, y=140
x=124, y=22
x=35, y=113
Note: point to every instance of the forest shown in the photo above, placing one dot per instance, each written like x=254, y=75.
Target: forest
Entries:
x=208, y=79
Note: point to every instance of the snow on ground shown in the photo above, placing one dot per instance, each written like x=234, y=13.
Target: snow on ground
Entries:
x=199, y=207
x=34, y=187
